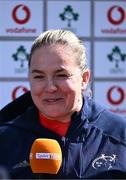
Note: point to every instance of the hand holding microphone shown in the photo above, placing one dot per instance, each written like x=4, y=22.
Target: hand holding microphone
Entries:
x=45, y=156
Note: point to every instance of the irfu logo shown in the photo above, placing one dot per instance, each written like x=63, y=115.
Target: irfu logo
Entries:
x=21, y=55
x=116, y=56
x=69, y=15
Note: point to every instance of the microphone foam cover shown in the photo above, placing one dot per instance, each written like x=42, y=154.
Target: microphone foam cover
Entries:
x=45, y=156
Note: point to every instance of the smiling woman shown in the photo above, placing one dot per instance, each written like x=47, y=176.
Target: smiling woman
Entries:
x=57, y=85
x=92, y=139
x=58, y=73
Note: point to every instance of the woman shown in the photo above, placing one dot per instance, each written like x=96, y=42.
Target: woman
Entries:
x=92, y=139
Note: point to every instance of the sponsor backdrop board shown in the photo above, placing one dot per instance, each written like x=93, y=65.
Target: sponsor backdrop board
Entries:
x=11, y=90
x=72, y=15
x=23, y=18
x=14, y=58
x=101, y=25
x=112, y=95
x=110, y=18
x=110, y=59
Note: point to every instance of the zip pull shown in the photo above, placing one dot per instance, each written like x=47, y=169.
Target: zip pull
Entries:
x=63, y=140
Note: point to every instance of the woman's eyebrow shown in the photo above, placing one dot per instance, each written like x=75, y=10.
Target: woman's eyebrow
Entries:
x=41, y=71
x=37, y=71
x=60, y=70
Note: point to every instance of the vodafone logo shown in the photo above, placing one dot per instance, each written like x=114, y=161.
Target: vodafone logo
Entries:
x=21, y=14
x=18, y=91
x=115, y=95
x=116, y=15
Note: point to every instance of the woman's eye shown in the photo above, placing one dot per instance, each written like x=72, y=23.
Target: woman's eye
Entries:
x=62, y=76
x=39, y=77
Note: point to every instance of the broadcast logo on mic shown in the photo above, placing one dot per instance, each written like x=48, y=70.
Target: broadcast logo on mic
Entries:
x=45, y=156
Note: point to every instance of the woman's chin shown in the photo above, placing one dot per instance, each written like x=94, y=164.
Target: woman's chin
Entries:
x=53, y=115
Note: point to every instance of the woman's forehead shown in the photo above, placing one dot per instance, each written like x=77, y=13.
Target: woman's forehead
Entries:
x=54, y=54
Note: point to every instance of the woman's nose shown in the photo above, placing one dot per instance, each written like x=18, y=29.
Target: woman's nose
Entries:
x=50, y=85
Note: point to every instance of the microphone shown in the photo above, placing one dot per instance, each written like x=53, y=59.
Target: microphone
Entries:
x=45, y=156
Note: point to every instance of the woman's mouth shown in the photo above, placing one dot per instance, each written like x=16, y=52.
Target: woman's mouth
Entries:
x=52, y=100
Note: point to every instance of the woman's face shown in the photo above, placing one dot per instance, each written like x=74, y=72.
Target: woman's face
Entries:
x=56, y=82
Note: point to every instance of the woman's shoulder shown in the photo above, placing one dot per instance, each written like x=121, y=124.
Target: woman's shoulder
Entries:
x=112, y=124
x=108, y=122
x=16, y=107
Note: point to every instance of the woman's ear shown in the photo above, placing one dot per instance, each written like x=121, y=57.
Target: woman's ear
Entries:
x=85, y=79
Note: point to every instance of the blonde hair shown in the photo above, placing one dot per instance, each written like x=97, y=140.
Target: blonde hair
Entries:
x=63, y=37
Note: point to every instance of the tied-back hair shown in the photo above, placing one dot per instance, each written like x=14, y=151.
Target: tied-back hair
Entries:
x=63, y=37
